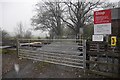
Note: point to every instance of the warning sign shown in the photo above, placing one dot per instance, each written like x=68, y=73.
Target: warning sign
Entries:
x=102, y=16
x=113, y=41
x=102, y=22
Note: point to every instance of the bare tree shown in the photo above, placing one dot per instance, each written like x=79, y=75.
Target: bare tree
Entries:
x=27, y=34
x=4, y=37
x=110, y=5
x=19, y=31
x=79, y=14
x=48, y=18
x=4, y=34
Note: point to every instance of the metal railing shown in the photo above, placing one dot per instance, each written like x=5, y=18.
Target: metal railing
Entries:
x=58, y=51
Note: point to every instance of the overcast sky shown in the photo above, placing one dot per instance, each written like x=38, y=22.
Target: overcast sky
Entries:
x=14, y=11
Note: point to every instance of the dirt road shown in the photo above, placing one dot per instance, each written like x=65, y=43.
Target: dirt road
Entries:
x=43, y=70
x=35, y=69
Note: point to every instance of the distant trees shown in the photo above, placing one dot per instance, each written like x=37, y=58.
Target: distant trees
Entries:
x=4, y=37
x=20, y=32
x=109, y=5
x=27, y=34
x=4, y=34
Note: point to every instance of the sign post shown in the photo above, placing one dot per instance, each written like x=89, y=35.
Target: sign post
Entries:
x=102, y=22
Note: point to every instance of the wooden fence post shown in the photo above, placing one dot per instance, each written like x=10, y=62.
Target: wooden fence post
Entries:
x=87, y=55
x=118, y=45
x=17, y=47
x=84, y=54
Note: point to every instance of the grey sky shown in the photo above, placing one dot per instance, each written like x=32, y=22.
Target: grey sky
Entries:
x=14, y=11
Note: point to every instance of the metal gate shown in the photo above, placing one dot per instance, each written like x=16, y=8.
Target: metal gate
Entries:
x=68, y=52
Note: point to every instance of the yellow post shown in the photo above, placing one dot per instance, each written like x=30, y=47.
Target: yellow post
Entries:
x=113, y=41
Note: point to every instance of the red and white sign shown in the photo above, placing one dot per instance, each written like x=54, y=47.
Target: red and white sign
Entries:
x=102, y=22
x=103, y=16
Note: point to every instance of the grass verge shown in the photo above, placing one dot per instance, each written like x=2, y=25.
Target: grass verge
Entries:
x=7, y=51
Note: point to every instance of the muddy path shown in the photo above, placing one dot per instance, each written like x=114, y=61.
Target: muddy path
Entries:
x=43, y=70
x=35, y=69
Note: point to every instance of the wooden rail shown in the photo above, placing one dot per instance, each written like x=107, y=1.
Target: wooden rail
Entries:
x=102, y=50
x=106, y=74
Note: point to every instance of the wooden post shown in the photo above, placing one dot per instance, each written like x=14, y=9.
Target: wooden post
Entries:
x=118, y=45
x=17, y=46
x=84, y=54
x=119, y=63
x=98, y=50
x=29, y=44
x=87, y=55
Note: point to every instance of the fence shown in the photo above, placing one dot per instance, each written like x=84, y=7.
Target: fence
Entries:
x=102, y=59
x=9, y=42
x=68, y=52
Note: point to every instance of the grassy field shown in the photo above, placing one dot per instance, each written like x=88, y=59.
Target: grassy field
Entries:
x=7, y=51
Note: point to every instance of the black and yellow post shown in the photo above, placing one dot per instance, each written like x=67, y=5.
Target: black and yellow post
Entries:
x=113, y=41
